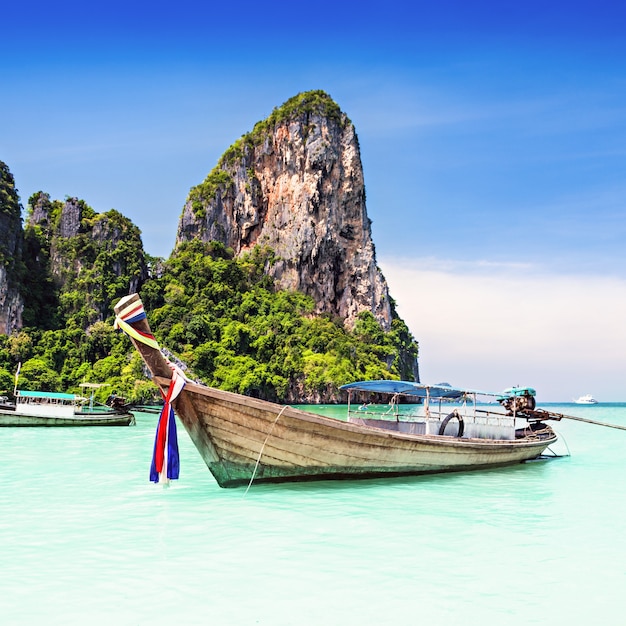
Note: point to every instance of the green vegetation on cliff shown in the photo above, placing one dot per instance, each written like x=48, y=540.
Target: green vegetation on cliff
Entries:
x=10, y=227
x=9, y=201
x=76, y=264
x=307, y=103
x=75, y=277
x=224, y=319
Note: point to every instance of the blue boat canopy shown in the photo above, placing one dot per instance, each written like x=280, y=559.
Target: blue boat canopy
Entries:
x=409, y=388
x=517, y=391
x=47, y=395
x=440, y=390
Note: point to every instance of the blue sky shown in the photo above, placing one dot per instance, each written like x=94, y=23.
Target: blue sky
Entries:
x=493, y=140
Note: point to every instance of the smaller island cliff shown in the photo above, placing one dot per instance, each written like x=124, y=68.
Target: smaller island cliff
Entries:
x=295, y=184
x=67, y=260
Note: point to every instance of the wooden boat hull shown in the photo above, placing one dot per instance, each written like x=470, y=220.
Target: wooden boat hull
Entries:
x=243, y=439
x=15, y=418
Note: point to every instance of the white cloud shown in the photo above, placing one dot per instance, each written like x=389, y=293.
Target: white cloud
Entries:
x=490, y=327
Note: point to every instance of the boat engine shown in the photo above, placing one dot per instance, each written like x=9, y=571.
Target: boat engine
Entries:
x=518, y=400
x=116, y=402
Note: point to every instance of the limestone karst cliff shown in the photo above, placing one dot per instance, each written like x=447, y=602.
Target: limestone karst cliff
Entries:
x=64, y=247
x=79, y=250
x=295, y=184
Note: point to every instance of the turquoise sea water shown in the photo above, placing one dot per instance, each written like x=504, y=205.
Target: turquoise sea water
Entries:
x=87, y=539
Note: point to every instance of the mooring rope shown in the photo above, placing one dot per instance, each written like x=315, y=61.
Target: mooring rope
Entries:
x=555, y=454
x=256, y=466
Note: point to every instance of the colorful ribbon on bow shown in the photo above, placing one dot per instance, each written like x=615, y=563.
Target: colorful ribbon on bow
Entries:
x=165, y=460
x=134, y=313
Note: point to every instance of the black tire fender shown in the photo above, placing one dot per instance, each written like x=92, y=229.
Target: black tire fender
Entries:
x=446, y=420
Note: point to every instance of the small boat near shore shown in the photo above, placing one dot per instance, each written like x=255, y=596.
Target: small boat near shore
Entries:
x=155, y=409
x=43, y=408
x=243, y=439
x=586, y=399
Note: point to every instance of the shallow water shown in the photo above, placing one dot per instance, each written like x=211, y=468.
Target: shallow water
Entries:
x=86, y=538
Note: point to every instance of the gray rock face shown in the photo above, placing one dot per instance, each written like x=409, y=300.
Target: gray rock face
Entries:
x=11, y=305
x=11, y=242
x=69, y=224
x=296, y=185
x=80, y=240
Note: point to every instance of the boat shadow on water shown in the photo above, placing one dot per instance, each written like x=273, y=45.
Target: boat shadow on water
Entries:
x=533, y=469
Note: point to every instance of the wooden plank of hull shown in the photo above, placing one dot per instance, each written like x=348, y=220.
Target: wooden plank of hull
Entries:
x=297, y=445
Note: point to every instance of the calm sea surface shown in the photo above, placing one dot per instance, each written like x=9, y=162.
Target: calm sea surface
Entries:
x=87, y=539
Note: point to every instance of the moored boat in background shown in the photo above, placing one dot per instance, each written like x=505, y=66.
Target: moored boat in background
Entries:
x=42, y=408
x=146, y=408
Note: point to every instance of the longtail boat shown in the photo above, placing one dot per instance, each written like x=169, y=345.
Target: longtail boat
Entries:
x=42, y=408
x=243, y=439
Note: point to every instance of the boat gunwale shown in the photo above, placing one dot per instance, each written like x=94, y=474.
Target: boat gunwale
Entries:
x=330, y=422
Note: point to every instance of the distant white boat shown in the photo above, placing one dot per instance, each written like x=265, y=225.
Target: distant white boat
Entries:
x=587, y=399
